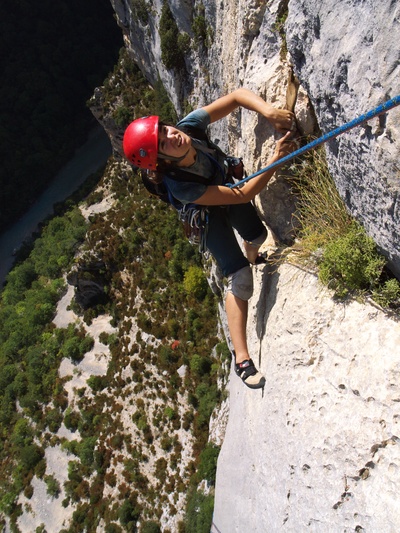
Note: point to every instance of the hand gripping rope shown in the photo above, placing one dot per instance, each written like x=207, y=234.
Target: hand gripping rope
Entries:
x=393, y=102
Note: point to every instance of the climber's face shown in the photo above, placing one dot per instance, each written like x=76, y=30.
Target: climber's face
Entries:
x=173, y=142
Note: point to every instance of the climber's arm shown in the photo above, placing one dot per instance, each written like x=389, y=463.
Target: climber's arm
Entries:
x=281, y=119
x=222, y=195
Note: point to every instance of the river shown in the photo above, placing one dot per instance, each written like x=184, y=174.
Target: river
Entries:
x=87, y=160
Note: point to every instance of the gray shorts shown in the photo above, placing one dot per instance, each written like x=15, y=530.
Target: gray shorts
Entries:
x=240, y=283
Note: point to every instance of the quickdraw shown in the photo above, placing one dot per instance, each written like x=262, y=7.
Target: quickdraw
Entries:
x=195, y=222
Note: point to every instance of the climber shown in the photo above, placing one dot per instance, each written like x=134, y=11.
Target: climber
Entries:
x=167, y=151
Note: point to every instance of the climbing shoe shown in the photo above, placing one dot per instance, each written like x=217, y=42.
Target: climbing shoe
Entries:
x=261, y=259
x=249, y=374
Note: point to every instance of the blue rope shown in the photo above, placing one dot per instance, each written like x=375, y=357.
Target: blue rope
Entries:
x=393, y=102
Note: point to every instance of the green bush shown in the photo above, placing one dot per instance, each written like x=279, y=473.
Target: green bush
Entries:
x=170, y=413
x=76, y=346
x=71, y=419
x=199, y=512
x=195, y=282
x=53, y=486
x=351, y=262
x=129, y=513
x=54, y=250
x=54, y=419
x=200, y=365
x=388, y=295
x=141, y=9
x=199, y=28
x=30, y=456
x=150, y=527
x=207, y=396
x=223, y=352
x=97, y=383
x=122, y=116
x=85, y=449
x=22, y=434
x=171, y=53
x=184, y=43
x=208, y=463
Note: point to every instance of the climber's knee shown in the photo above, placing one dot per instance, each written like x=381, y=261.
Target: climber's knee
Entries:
x=259, y=240
x=240, y=283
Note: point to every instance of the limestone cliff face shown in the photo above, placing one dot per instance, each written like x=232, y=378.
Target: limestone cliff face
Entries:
x=320, y=449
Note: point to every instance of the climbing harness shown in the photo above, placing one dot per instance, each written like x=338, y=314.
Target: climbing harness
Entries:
x=393, y=102
x=195, y=224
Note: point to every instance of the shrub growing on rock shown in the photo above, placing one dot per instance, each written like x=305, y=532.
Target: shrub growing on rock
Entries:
x=351, y=262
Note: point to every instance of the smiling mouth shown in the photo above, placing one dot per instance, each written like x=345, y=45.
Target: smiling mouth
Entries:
x=179, y=141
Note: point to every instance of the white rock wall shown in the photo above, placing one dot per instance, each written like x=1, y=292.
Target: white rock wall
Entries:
x=319, y=450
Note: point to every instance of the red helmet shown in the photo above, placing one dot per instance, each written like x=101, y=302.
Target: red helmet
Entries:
x=141, y=142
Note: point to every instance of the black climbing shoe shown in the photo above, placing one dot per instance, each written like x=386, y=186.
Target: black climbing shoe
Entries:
x=261, y=259
x=249, y=374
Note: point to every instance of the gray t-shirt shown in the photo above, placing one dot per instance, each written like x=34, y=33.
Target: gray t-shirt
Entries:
x=206, y=165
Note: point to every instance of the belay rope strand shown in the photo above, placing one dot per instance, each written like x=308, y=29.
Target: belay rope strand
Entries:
x=393, y=102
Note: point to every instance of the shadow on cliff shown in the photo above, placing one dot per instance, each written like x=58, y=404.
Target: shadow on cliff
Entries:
x=266, y=300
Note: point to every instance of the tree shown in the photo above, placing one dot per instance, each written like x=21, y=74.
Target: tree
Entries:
x=208, y=463
x=150, y=527
x=30, y=456
x=195, y=282
x=53, y=486
x=171, y=53
x=129, y=513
